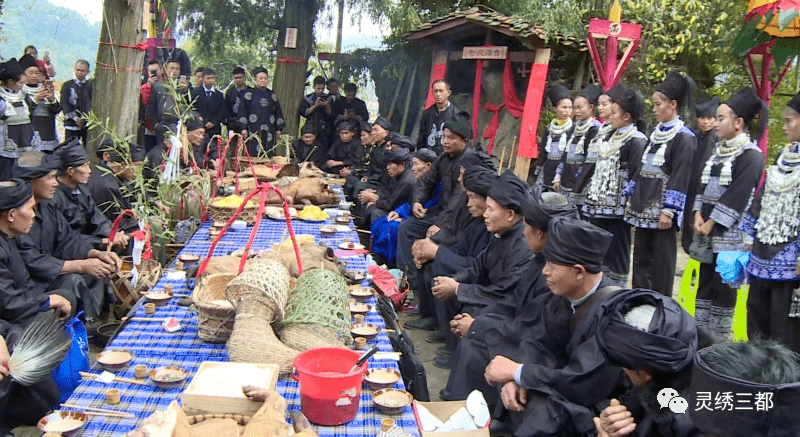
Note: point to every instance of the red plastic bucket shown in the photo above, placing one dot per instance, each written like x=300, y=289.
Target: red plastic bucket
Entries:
x=329, y=392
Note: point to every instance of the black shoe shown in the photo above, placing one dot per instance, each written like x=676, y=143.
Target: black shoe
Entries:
x=442, y=362
x=414, y=312
x=443, y=351
x=445, y=395
x=436, y=337
x=498, y=427
x=425, y=324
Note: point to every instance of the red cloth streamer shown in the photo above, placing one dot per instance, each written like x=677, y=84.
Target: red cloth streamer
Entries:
x=510, y=101
x=291, y=61
x=439, y=72
x=104, y=66
x=138, y=235
x=142, y=46
x=263, y=191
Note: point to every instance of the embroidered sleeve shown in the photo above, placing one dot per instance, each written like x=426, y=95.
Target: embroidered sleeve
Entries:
x=724, y=215
x=628, y=190
x=674, y=199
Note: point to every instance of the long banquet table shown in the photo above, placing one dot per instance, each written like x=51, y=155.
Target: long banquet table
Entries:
x=153, y=346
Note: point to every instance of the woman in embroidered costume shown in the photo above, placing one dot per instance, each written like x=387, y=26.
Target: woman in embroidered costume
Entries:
x=616, y=157
x=773, y=305
x=659, y=187
x=727, y=184
x=555, y=137
x=586, y=127
x=16, y=130
x=44, y=113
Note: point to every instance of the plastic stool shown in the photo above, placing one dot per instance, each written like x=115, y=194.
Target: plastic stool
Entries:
x=688, y=292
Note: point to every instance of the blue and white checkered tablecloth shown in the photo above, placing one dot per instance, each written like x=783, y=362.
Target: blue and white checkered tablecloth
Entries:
x=154, y=347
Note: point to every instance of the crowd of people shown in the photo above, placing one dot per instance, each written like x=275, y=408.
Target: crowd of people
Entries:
x=525, y=286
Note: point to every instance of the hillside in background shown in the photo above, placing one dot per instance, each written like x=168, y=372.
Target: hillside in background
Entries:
x=66, y=34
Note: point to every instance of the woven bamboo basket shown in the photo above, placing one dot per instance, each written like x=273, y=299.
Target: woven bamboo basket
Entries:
x=222, y=214
x=317, y=313
x=149, y=271
x=245, y=184
x=214, y=320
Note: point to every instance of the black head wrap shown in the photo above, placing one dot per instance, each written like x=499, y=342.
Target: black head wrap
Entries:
x=679, y=88
x=398, y=155
x=708, y=108
x=27, y=61
x=591, y=93
x=459, y=124
x=645, y=330
x=134, y=151
x=557, y=93
x=425, y=155
x=34, y=164
x=746, y=104
x=402, y=141
x=781, y=420
x=347, y=125
x=366, y=126
x=509, y=191
x=14, y=193
x=194, y=122
x=137, y=152
x=350, y=87
x=632, y=102
x=392, y=136
x=72, y=154
x=539, y=208
x=477, y=158
x=11, y=70
x=384, y=123
x=308, y=128
x=479, y=179
x=616, y=92
x=259, y=70
x=571, y=241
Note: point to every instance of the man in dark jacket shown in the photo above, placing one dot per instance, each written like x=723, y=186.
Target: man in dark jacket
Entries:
x=433, y=119
x=209, y=103
x=76, y=100
x=397, y=192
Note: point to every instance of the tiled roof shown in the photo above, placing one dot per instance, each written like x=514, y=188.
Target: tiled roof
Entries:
x=488, y=17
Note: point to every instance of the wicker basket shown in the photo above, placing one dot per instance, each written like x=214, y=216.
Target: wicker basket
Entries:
x=222, y=214
x=214, y=321
x=149, y=273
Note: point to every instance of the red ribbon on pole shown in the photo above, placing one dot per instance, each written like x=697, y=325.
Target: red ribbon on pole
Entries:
x=291, y=61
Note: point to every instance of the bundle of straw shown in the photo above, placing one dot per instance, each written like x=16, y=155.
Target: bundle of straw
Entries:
x=43, y=345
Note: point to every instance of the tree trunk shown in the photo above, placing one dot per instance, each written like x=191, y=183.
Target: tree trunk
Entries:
x=118, y=70
x=292, y=66
x=339, y=27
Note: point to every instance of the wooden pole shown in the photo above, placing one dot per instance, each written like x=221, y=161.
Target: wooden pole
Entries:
x=397, y=93
x=408, y=100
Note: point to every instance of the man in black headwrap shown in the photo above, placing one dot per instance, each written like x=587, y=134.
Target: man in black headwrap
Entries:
x=557, y=391
x=108, y=177
x=374, y=204
x=76, y=204
x=507, y=323
x=654, y=340
x=344, y=151
x=423, y=159
x=55, y=255
x=205, y=153
x=761, y=378
x=261, y=114
x=307, y=148
x=375, y=174
x=445, y=171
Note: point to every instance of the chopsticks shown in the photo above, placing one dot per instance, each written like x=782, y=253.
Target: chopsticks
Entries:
x=116, y=378
x=91, y=411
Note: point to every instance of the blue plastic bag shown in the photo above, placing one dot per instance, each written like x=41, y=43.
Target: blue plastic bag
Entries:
x=67, y=374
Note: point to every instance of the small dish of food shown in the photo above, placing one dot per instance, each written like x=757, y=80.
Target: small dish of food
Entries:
x=160, y=298
x=168, y=377
x=189, y=259
x=361, y=294
x=351, y=246
x=360, y=308
x=379, y=379
x=366, y=330
x=65, y=423
x=392, y=400
x=114, y=360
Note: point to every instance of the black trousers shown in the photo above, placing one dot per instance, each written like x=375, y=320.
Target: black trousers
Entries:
x=768, y=312
x=617, y=262
x=83, y=134
x=424, y=293
x=469, y=361
x=654, y=255
x=6, y=164
x=410, y=231
x=715, y=303
x=446, y=310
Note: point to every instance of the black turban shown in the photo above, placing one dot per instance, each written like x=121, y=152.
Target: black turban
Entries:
x=557, y=93
x=14, y=193
x=402, y=141
x=708, y=108
x=134, y=151
x=508, y=191
x=259, y=70
x=34, y=165
x=384, y=123
x=72, y=154
x=591, y=93
x=459, y=125
x=664, y=341
x=366, y=126
x=425, y=155
x=308, y=128
x=571, y=241
x=473, y=158
x=794, y=103
x=479, y=180
x=194, y=122
x=679, y=88
x=632, y=102
x=616, y=92
x=398, y=155
x=137, y=152
x=347, y=125
x=11, y=70
x=746, y=104
x=27, y=62
x=392, y=137
x=538, y=209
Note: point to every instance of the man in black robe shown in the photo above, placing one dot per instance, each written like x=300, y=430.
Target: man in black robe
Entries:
x=450, y=251
x=108, y=182
x=163, y=109
x=317, y=111
x=261, y=115
x=508, y=322
x=234, y=97
x=55, y=255
x=557, y=392
x=496, y=270
x=76, y=100
x=307, y=148
x=654, y=340
x=355, y=173
x=205, y=153
x=375, y=175
x=351, y=107
x=76, y=203
x=445, y=171
x=431, y=124
x=374, y=204
x=344, y=151
x=707, y=138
